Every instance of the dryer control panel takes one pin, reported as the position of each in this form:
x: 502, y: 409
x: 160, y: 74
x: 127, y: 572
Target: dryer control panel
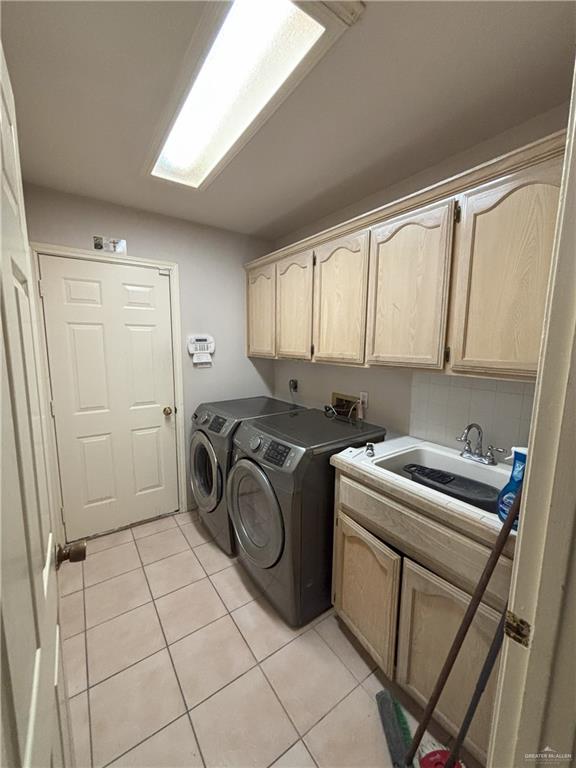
x: 277, y: 453
x: 265, y: 450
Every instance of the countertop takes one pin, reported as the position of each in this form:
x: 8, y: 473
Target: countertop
x: 465, y: 518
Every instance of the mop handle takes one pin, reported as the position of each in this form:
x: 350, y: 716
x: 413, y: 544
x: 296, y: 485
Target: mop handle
x: 483, y: 678
x: 465, y: 626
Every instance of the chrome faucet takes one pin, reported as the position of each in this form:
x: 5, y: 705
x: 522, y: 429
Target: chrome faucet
x: 465, y: 438
x: 477, y: 454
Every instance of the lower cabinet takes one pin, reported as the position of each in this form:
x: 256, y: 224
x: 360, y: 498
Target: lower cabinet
x: 431, y: 610
x: 366, y: 584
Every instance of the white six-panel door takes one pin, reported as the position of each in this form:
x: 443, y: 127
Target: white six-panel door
x: 108, y: 330
x: 34, y: 725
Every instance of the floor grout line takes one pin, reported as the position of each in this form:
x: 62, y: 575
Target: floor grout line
x: 283, y: 753
x: 174, y: 669
x: 263, y: 671
x: 199, y: 629
x: 145, y: 740
x: 87, y: 675
x: 128, y: 666
x: 222, y: 687
x: 154, y: 599
x: 144, y: 565
x: 109, y: 578
x: 123, y: 613
x: 257, y: 663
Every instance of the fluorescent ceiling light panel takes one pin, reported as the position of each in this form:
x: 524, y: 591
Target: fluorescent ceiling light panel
x: 260, y: 44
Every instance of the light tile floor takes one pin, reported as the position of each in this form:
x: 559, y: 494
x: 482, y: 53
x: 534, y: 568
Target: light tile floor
x: 173, y: 660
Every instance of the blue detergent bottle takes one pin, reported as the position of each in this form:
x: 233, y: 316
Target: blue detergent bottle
x: 508, y: 493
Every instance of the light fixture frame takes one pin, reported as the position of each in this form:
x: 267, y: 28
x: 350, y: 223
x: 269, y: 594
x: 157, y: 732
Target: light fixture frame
x: 207, y: 29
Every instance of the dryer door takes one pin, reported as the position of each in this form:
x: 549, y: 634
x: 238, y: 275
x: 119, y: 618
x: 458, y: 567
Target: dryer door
x: 255, y: 513
x: 205, y: 474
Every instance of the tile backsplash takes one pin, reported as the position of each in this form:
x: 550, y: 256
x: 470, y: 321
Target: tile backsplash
x: 441, y: 406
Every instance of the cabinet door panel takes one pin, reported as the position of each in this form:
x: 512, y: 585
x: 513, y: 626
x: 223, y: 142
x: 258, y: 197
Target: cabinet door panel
x: 503, y: 266
x: 294, y: 277
x: 408, y: 288
x: 366, y: 585
x: 340, y: 283
x: 262, y: 311
x: 431, y: 611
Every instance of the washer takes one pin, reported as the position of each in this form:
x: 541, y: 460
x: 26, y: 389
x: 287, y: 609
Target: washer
x: 213, y: 428
x: 280, y: 494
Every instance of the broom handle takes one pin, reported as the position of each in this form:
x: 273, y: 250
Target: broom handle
x: 464, y: 626
x: 483, y: 678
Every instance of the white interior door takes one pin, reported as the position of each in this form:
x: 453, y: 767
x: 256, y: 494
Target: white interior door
x: 34, y: 725
x: 108, y: 330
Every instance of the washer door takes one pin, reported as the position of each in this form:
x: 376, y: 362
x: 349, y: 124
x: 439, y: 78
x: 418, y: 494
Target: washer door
x: 205, y: 474
x: 255, y: 513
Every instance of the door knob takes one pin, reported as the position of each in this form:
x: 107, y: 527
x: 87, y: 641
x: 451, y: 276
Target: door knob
x: 75, y: 553
x: 167, y: 411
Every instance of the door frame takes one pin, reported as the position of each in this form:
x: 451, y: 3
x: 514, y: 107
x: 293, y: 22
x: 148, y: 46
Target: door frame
x: 534, y: 700
x: 169, y: 267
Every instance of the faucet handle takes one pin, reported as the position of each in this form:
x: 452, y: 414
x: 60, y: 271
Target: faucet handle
x: 369, y: 449
x: 490, y: 451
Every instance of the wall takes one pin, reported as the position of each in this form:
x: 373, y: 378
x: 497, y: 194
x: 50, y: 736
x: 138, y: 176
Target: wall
x: 441, y: 406
x: 432, y: 406
x: 212, y: 294
x: 389, y: 390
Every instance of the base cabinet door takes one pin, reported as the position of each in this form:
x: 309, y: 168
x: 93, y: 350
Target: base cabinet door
x: 340, y: 292
x: 366, y: 587
x: 408, y: 287
x: 294, y: 277
x: 503, y: 263
x: 262, y: 311
x: 431, y: 611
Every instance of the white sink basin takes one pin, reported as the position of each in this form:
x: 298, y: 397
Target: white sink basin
x: 446, y: 460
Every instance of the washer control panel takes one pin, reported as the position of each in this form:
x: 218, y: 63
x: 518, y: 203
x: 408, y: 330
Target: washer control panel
x: 277, y: 453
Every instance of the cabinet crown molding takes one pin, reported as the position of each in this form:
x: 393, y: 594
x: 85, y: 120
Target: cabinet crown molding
x: 523, y: 157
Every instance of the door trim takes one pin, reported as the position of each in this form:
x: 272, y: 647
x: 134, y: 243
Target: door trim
x: 175, y: 324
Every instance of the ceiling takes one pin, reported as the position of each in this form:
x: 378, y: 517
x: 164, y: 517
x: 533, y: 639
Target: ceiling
x: 409, y: 85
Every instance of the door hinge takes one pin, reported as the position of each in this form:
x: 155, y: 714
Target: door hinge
x: 517, y: 629
x: 52, y: 408
x: 164, y: 271
x: 447, y: 355
x: 457, y: 212
x: 314, y: 260
x: 40, y: 291
x: 312, y: 349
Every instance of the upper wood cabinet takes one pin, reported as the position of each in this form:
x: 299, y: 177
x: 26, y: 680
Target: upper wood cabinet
x: 399, y: 285
x: 340, y: 288
x: 431, y: 611
x: 294, y: 291
x: 262, y: 311
x: 503, y: 262
x: 366, y: 583
x: 410, y: 259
